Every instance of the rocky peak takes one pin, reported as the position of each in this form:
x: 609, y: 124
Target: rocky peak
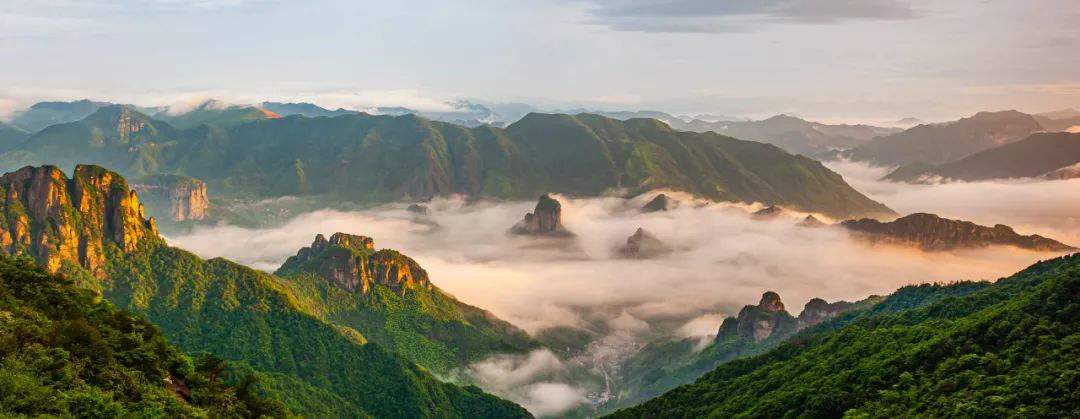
x: 818, y: 310
x: 771, y: 211
x: 183, y: 197
x: 351, y: 263
x: 56, y: 219
x: 759, y: 322
x: 933, y: 233
x: 660, y: 203
x: 811, y: 222
x: 545, y: 220
x: 643, y: 245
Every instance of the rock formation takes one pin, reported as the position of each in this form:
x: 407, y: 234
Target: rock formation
x: 818, y: 310
x: 57, y: 220
x: 932, y: 233
x: 351, y: 263
x: 812, y: 222
x: 643, y: 245
x: 545, y: 220
x: 770, y: 319
x: 418, y: 209
x: 182, y: 196
x: 758, y: 322
x: 660, y: 203
x: 771, y: 211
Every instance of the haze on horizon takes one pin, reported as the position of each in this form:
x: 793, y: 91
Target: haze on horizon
x: 872, y: 60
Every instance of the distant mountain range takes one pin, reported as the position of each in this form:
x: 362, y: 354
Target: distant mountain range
x: 1037, y: 155
x: 793, y: 134
x: 945, y: 142
x: 365, y: 158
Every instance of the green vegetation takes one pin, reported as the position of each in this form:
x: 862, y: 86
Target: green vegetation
x: 215, y: 113
x: 64, y: 352
x: 967, y: 350
x: 412, y: 317
x: 363, y: 158
x: 1033, y: 156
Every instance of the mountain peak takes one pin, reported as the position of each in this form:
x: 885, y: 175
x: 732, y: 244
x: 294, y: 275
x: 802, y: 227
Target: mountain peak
x: 770, y: 301
x: 351, y: 263
x: 545, y: 220
x: 931, y: 232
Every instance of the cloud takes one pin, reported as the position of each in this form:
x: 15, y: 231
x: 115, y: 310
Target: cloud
x: 537, y: 381
x: 712, y: 16
x: 725, y: 260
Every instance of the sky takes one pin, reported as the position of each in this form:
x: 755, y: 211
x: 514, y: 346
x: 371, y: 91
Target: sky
x: 827, y: 59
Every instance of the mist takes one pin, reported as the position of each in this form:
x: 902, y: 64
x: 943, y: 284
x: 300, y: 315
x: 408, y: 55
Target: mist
x: 724, y: 259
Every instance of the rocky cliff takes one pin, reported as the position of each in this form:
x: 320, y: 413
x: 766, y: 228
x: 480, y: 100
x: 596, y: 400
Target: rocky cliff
x: 352, y: 263
x: 183, y: 197
x: 660, y: 203
x: 770, y: 319
x: 60, y: 220
x: 933, y: 233
x: 545, y: 220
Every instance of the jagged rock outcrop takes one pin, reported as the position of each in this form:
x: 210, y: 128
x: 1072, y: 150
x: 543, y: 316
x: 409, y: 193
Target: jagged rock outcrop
x: 352, y: 263
x: 643, y: 245
x: 818, y: 310
x: 769, y: 212
x: 769, y: 319
x: 661, y: 202
x: 418, y: 209
x: 811, y: 222
x: 58, y: 220
x: 183, y: 197
x: 545, y: 220
x: 933, y: 233
x: 758, y: 322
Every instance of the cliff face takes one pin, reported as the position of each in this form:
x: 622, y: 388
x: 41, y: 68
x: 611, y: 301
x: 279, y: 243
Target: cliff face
x: 182, y: 196
x: 933, y: 233
x: 770, y: 319
x: 57, y: 220
x: 545, y: 220
x: 352, y: 263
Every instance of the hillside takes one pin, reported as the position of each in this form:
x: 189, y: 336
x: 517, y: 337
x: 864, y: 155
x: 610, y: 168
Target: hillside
x: 388, y: 297
x: 43, y: 114
x: 1033, y: 156
x: 945, y: 142
x: 216, y: 113
x: 365, y: 158
x: 959, y: 350
x: 91, y: 228
x: 66, y: 353
x: 11, y: 137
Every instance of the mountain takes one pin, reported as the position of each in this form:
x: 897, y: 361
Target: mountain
x: 643, y: 245
x: 1033, y: 156
x: 11, y: 137
x: 932, y: 233
x: 1065, y: 120
x: 793, y: 134
x: 217, y: 113
x: 1068, y: 172
x: 387, y: 296
x: 305, y: 109
x: 91, y: 228
x: 367, y: 158
x: 544, y: 220
x: 964, y: 349
x: 66, y: 353
x: 43, y: 114
x: 945, y: 142
x: 662, y: 366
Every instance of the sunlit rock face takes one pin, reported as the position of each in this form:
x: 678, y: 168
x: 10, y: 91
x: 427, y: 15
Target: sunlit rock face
x: 933, y: 233
x: 545, y: 220
x: 57, y: 220
x: 183, y: 197
x: 351, y: 263
x: 770, y: 319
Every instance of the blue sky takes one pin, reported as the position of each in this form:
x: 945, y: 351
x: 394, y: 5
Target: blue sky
x: 828, y: 59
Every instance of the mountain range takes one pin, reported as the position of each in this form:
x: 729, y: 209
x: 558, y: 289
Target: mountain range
x: 1034, y: 156
x: 91, y: 228
x: 796, y: 135
x: 366, y: 158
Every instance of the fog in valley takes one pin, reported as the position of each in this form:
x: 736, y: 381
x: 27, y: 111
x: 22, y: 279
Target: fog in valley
x: 723, y: 259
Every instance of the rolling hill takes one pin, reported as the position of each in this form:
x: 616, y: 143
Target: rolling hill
x: 1033, y: 156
